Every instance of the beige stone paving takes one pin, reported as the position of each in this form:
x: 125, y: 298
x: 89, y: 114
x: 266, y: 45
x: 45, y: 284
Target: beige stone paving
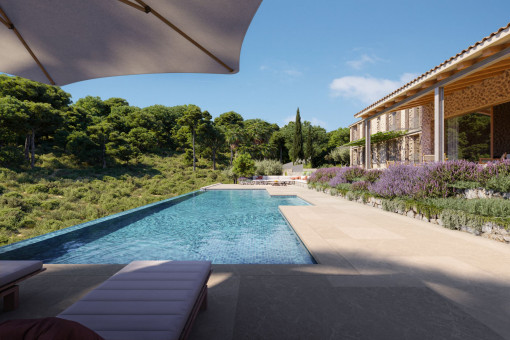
x: 472, y: 271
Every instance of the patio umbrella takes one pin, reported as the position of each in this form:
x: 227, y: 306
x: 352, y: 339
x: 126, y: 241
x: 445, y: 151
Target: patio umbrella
x: 65, y: 41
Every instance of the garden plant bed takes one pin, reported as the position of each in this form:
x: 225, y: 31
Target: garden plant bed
x: 458, y: 195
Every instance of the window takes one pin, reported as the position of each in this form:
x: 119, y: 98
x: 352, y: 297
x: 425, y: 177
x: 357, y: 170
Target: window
x: 468, y: 137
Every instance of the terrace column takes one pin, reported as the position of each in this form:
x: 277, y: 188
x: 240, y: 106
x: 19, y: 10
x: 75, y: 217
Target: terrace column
x: 439, y: 124
x: 368, y: 149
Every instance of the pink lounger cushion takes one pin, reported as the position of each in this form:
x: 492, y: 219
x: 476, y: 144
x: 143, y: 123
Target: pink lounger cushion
x: 145, y: 300
x: 11, y: 271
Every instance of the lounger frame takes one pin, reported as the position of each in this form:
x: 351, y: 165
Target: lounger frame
x: 200, y: 304
x: 10, y: 291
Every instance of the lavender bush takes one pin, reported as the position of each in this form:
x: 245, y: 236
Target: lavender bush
x: 346, y: 175
x: 373, y: 175
x: 323, y: 175
x: 427, y: 181
x: 398, y: 180
x: 360, y: 186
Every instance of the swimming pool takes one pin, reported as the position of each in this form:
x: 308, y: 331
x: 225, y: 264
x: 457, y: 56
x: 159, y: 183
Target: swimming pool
x: 222, y: 226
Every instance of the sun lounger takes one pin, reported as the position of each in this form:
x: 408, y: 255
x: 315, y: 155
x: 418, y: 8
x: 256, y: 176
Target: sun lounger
x: 12, y: 273
x: 145, y: 300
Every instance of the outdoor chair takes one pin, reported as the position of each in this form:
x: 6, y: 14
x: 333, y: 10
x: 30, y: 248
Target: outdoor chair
x: 145, y: 300
x: 428, y: 158
x: 12, y: 273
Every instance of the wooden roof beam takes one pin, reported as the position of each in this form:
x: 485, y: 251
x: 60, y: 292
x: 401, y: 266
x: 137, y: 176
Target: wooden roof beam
x: 492, y: 50
x: 466, y: 64
x: 444, y: 75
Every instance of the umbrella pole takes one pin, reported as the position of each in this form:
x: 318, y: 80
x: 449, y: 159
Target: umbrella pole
x: 4, y: 19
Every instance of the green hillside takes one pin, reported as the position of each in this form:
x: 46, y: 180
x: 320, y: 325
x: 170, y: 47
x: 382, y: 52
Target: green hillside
x: 49, y: 198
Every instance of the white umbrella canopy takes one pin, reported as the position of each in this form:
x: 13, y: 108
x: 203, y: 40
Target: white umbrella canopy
x: 64, y: 41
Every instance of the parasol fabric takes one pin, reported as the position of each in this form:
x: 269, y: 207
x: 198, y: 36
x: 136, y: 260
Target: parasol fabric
x: 65, y: 41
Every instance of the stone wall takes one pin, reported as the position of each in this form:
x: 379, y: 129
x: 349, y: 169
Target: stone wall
x: 427, y: 129
x: 501, y: 129
x: 492, y: 91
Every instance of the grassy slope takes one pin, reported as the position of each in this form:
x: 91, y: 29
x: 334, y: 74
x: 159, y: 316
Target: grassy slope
x: 50, y: 198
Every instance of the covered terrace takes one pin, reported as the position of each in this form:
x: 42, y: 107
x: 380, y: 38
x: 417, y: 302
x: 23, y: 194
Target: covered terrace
x: 475, y: 83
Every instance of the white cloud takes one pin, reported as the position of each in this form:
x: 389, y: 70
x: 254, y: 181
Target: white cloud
x: 292, y: 72
x: 366, y: 89
x: 407, y: 77
x: 362, y: 61
x: 289, y: 119
x: 316, y: 121
x: 283, y: 70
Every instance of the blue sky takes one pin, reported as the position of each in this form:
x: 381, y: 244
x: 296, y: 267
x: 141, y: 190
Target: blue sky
x: 329, y: 58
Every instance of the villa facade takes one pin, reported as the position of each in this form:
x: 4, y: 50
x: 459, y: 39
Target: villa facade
x: 458, y: 110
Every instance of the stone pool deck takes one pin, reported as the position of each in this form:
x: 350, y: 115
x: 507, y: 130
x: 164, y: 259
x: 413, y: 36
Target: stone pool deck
x: 380, y: 276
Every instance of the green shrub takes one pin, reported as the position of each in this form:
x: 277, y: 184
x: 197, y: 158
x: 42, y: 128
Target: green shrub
x: 343, y: 188
x: 465, y: 185
x: 455, y: 219
x: 499, y: 183
x: 25, y: 178
x: 485, y: 207
x: 27, y: 222
x: 50, y: 205
x: 268, y: 167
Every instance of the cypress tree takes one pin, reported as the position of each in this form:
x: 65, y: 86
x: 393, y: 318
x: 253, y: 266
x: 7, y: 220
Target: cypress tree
x: 298, y: 140
x: 309, y: 145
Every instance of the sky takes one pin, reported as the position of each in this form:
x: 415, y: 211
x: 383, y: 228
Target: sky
x: 330, y: 58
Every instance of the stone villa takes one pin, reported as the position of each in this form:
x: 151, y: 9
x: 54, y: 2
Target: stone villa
x: 458, y: 110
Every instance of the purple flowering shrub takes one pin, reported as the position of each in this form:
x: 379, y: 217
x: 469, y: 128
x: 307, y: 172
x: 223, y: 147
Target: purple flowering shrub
x: 435, y: 179
x: 495, y: 169
x: 360, y: 186
x: 373, y: 175
x: 429, y: 180
x: 398, y: 180
x: 346, y: 175
x: 323, y: 175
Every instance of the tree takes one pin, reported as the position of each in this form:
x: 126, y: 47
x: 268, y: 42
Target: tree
x: 192, y: 118
x: 99, y: 134
x: 212, y: 137
x: 166, y: 123
x: 340, y: 155
x: 232, y: 124
x: 83, y: 147
x: 309, y: 152
x: 277, y: 141
x: 338, y: 137
x: 94, y: 106
x: 115, y: 102
x: 13, y: 124
x: 257, y: 133
x: 243, y: 165
x: 298, y: 140
x: 43, y: 119
x: 32, y: 91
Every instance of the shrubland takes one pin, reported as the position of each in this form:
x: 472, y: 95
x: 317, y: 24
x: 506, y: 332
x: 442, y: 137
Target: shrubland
x: 45, y: 199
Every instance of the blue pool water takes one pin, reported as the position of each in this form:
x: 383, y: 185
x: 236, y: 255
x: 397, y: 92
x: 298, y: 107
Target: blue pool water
x: 227, y: 226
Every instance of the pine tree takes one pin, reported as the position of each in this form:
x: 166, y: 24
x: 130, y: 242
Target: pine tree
x: 298, y: 140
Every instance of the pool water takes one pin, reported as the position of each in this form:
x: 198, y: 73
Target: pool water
x: 222, y: 226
